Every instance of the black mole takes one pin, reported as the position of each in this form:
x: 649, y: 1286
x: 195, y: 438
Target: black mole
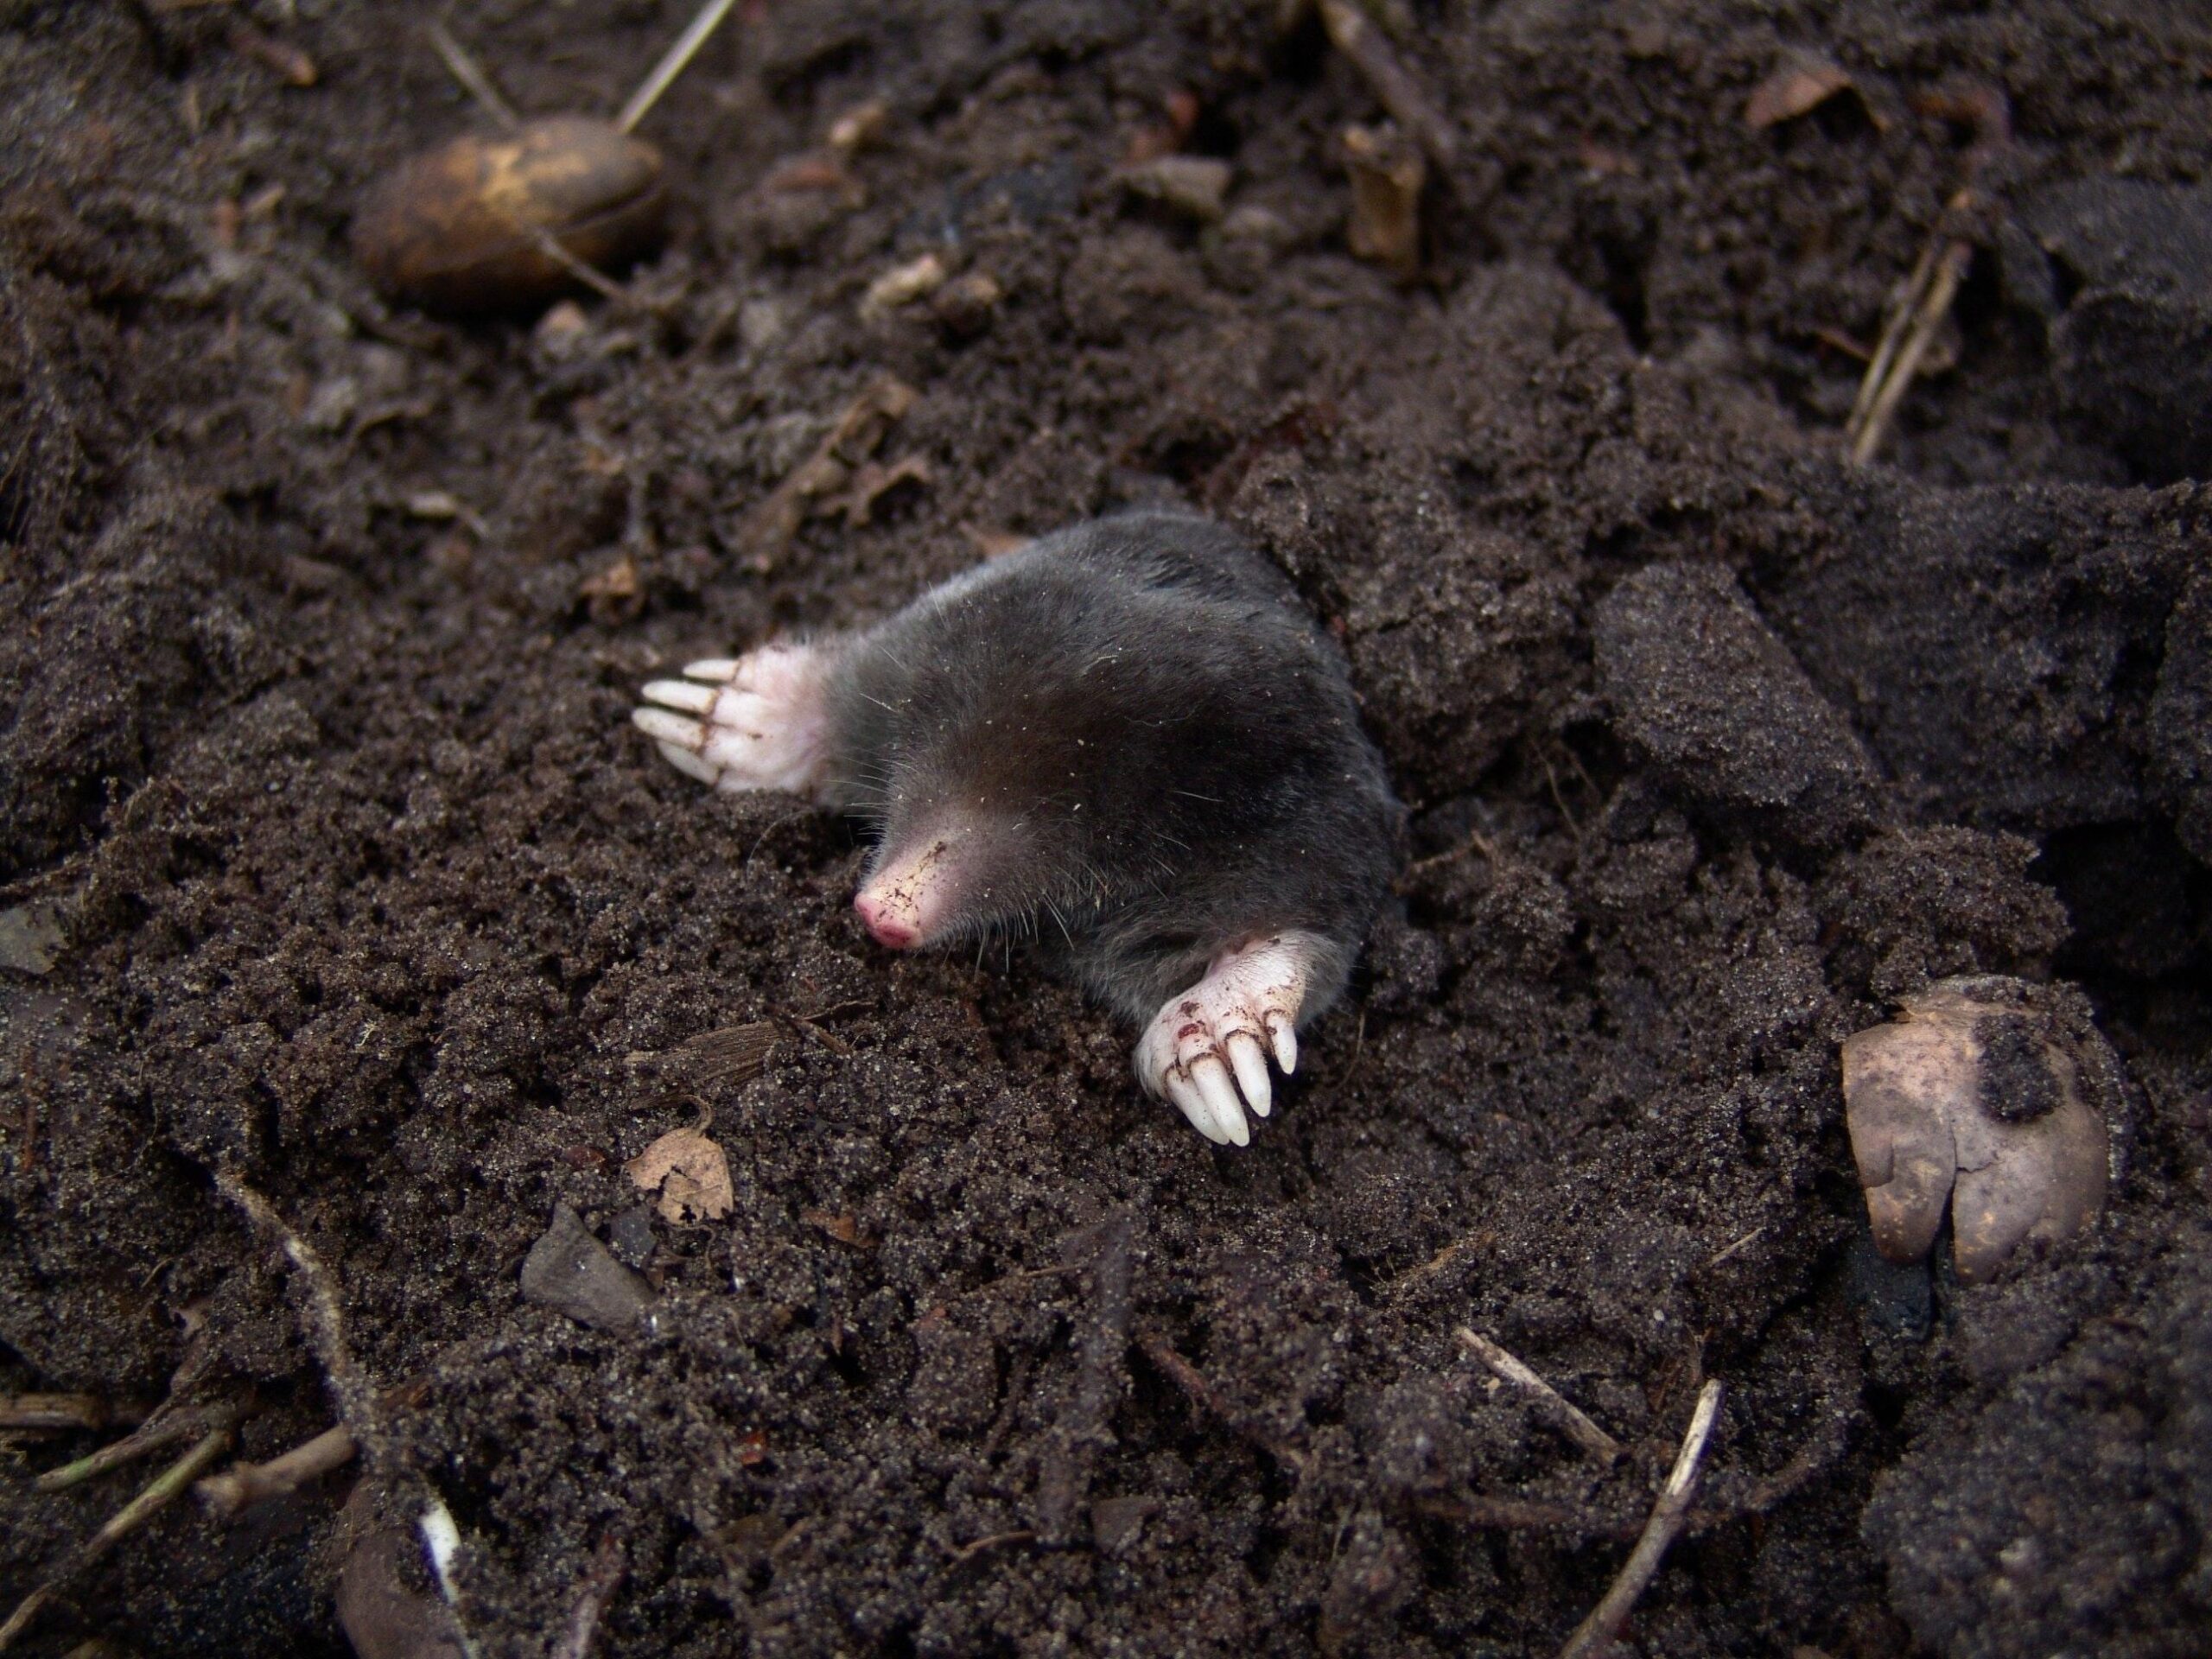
x: 1128, y: 740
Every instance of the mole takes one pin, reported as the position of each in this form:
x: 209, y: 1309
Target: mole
x: 1127, y: 742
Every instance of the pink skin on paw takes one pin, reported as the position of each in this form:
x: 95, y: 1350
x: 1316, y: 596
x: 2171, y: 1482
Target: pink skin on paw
x: 912, y: 895
x: 1207, y: 1049
x: 756, y: 722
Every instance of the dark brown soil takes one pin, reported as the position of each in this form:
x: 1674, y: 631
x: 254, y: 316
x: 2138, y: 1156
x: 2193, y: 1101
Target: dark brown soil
x: 315, y: 746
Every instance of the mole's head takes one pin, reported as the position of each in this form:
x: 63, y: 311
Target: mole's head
x: 987, y: 821
x: 964, y: 861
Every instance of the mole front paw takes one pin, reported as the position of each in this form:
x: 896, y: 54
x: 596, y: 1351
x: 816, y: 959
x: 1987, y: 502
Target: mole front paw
x: 1207, y: 1049
x: 756, y: 722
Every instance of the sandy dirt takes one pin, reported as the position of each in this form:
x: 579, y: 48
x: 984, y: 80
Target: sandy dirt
x: 322, y: 619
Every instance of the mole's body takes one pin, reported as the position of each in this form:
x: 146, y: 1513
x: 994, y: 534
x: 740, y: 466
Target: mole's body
x: 1126, y: 739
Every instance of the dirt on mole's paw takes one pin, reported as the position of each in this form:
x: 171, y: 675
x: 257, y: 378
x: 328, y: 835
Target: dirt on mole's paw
x: 322, y: 619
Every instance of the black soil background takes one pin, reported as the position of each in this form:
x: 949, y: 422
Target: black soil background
x: 316, y: 697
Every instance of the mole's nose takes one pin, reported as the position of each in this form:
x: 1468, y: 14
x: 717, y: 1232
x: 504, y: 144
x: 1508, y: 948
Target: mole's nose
x: 891, y: 922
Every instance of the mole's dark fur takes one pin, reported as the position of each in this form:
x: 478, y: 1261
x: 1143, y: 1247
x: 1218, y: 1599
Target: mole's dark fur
x: 1162, y: 749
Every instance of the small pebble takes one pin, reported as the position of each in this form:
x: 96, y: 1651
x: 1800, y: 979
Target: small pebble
x: 572, y: 1273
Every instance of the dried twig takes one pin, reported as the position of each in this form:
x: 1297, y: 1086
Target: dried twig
x: 1668, y: 1515
x: 1912, y: 325
x: 1450, y: 1256
x: 244, y: 1484
x: 1365, y: 49
x: 581, y: 271
x: 322, y: 1322
x: 1926, y: 298
x: 662, y: 74
x: 166, y: 1488
x: 976, y: 1546
x: 1571, y: 1417
x: 1741, y: 1245
x: 1188, y: 1377
x: 597, y: 1589
x: 1488, y: 1513
x: 466, y: 70
x: 62, y: 1412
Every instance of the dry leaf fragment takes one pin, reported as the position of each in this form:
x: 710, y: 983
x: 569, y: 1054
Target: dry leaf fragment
x: 690, y: 1173
x: 842, y: 1225
x: 1801, y: 83
x: 615, y: 593
x: 817, y: 485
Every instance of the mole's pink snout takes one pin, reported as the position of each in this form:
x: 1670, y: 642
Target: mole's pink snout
x: 887, y: 919
x: 908, y: 898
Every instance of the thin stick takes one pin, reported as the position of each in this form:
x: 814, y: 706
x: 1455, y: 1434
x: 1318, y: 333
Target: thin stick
x: 167, y: 1487
x: 589, y: 275
x: 1188, y: 1377
x: 52, y: 1411
x: 1668, y: 1516
x: 672, y: 62
x: 1483, y: 1511
x: 157, y: 1434
x: 473, y: 81
x: 324, y: 1324
x: 242, y: 1485
x: 1876, y: 372
x: 1479, y: 1239
x: 1738, y: 1246
x: 597, y: 1590
x: 1580, y: 1429
x: 976, y: 1547
x: 1363, y: 47
x: 1949, y: 269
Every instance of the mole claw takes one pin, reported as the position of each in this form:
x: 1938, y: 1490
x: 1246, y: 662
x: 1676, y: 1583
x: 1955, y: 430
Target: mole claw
x: 681, y: 694
x: 1186, y: 1095
x: 688, y: 764
x: 1250, y: 1061
x: 1219, y: 1094
x: 719, y: 669
x: 1208, y: 1049
x: 663, y: 727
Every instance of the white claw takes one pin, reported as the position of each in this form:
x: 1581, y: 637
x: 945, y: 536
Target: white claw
x: 663, y: 727
x: 1250, y: 1061
x: 1214, y: 1086
x: 688, y: 764
x: 756, y: 722
x: 681, y: 694
x: 1186, y: 1095
x: 1207, y: 1049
